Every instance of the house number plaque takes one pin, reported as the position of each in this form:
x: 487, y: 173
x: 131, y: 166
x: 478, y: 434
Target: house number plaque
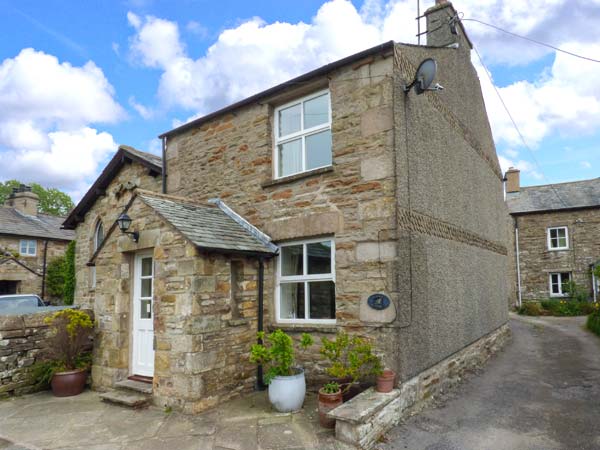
x: 378, y: 301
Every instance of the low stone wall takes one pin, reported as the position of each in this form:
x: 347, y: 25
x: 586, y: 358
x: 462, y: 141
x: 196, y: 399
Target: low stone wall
x: 23, y: 340
x: 364, y: 419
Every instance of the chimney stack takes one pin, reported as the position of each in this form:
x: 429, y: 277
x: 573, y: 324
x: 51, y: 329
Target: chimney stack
x: 513, y: 183
x: 23, y: 200
x: 444, y: 28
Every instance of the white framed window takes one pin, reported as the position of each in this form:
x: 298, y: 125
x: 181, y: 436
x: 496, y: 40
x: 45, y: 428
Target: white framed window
x: 305, y: 290
x: 303, y: 135
x: 558, y: 283
x: 98, y: 235
x: 558, y: 238
x: 28, y: 247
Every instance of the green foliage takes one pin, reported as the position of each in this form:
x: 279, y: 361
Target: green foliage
x: 556, y: 307
x: 350, y: 357
x: 575, y: 292
x: 52, y: 201
x: 331, y: 388
x: 278, y: 355
x: 593, y: 321
x: 596, y: 271
x: 41, y: 373
x: 60, y: 276
x: 70, y: 332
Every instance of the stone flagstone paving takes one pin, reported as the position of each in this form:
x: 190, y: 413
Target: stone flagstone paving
x: 41, y: 421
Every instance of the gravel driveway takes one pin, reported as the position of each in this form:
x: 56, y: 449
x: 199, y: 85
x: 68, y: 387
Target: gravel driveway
x: 541, y: 393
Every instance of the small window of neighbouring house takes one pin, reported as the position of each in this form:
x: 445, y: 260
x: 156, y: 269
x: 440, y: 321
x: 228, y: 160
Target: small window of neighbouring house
x: 558, y: 238
x: 558, y: 283
x: 28, y: 247
x: 98, y: 235
x: 306, y: 281
x: 303, y: 135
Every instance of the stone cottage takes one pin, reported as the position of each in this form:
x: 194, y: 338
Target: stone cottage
x: 557, y: 229
x: 29, y: 240
x: 337, y: 200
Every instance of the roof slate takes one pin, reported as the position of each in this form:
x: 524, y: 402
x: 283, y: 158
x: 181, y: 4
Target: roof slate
x: 549, y: 197
x: 16, y: 223
x: 207, y: 227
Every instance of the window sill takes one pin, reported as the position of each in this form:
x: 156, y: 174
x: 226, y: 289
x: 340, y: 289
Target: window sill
x: 558, y: 249
x: 305, y: 327
x: 297, y: 176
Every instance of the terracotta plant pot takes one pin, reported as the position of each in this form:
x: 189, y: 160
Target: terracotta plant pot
x: 327, y: 402
x: 67, y: 384
x: 385, y: 381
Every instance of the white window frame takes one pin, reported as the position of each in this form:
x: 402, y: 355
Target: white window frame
x: 280, y: 279
x: 28, y: 247
x: 96, y: 228
x: 298, y: 134
x: 549, y: 241
x: 560, y: 283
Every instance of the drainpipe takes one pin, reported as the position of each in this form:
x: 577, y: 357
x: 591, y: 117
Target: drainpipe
x: 44, y: 271
x: 519, y: 300
x: 260, y: 384
x: 164, y: 164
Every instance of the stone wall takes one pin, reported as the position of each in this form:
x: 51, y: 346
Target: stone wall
x: 536, y: 261
x: 29, y: 282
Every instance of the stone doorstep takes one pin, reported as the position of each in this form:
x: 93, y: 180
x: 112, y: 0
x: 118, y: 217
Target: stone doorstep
x: 126, y: 398
x: 136, y: 386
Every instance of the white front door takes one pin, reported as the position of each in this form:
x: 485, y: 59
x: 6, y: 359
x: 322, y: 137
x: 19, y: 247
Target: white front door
x: 143, y: 328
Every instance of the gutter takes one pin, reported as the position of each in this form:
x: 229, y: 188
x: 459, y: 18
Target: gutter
x: 44, y: 270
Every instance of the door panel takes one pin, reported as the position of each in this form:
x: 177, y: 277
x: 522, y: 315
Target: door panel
x: 143, y: 326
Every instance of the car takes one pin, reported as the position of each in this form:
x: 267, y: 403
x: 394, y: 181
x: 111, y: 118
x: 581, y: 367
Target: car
x: 18, y: 302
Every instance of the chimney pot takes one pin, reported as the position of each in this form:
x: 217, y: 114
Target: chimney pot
x: 23, y: 200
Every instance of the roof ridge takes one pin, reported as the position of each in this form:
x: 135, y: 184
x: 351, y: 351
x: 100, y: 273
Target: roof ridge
x: 559, y: 184
x: 173, y: 198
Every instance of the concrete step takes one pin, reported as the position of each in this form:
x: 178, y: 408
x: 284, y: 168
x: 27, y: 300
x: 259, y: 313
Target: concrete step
x: 136, y: 386
x: 126, y: 398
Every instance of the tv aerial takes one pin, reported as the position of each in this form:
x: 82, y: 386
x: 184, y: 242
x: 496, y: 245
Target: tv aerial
x: 424, y: 77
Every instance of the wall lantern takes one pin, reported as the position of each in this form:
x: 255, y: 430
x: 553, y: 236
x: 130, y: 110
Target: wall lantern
x: 124, y: 222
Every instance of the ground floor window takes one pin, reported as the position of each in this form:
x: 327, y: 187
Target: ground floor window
x: 27, y: 247
x: 558, y: 283
x: 306, y: 281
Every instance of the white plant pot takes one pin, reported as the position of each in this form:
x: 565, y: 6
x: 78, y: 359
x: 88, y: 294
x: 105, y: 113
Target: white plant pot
x: 286, y: 394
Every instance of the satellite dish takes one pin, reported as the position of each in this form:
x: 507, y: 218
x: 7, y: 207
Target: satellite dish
x: 424, y: 77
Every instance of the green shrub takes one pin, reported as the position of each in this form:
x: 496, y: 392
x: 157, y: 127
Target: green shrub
x: 530, y: 309
x: 60, y: 276
x: 567, y: 307
x: 576, y: 292
x: 593, y: 321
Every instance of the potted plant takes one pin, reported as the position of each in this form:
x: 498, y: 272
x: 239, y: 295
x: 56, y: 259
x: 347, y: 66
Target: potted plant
x: 351, y: 359
x: 67, y: 368
x: 330, y: 397
x: 385, y: 381
x: 287, y: 384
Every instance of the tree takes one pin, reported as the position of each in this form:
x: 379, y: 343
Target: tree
x: 60, y: 276
x: 52, y: 200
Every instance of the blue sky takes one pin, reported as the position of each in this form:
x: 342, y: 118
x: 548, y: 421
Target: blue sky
x: 79, y: 78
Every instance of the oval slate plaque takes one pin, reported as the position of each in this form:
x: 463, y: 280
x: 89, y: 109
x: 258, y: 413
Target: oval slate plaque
x: 378, y: 301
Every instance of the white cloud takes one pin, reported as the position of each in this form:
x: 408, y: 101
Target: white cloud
x: 47, y: 109
x: 524, y: 166
x: 144, y: 111
x: 586, y: 164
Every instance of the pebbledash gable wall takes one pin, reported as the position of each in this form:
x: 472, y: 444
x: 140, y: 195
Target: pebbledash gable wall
x: 29, y: 282
x: 413, y: 200
x: 537, y: 262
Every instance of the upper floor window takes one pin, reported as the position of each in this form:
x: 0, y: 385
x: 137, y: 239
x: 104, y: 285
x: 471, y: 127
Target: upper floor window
x: 28, y: 247
x: 558, y: 284
x: 303, y: 135
x: 306, y: 281
x: 558, y: 238
x: 98, y: 235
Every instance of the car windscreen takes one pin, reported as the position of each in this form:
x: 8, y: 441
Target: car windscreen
x: 15, y: 303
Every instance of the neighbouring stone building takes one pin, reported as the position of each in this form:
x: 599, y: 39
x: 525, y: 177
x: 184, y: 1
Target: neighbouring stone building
x: 29, y: 240
x: 557, y: 236
x: 290, y: 209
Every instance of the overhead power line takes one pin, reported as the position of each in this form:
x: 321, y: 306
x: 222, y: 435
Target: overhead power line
x: 514, y: 123
x: 533, y: 40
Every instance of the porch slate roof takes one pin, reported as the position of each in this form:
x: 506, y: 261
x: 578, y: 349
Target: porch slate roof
x: 550, y: 197
x: 208, y: 227
x: 13, y: 222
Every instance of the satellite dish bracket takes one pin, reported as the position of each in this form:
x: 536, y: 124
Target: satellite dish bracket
x: 424, y: 77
